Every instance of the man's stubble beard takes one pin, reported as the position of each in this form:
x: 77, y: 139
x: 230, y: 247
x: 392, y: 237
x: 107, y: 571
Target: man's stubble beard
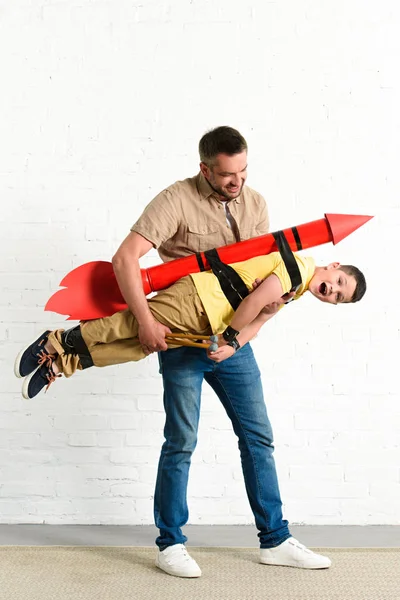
x: 226, y: 195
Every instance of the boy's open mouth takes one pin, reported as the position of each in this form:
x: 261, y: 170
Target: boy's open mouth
x: 323, y: 289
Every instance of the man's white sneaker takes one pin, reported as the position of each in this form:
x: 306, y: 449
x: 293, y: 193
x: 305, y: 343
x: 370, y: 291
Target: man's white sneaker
x: 175, y: 560
x: 293, y: 554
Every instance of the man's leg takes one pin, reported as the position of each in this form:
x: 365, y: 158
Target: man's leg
x: 183, y: 371
x: 237, y: 383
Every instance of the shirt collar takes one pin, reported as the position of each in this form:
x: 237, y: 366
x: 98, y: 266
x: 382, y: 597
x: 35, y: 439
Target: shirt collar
x: 206, y: 191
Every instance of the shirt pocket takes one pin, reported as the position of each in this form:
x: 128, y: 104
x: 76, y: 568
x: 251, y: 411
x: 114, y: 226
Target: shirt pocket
x: 204, y: 236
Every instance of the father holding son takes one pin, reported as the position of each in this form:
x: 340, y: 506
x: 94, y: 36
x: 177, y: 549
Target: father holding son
x: 212, y: 209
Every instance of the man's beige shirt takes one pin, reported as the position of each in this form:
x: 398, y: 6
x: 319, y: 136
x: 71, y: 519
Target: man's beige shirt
x: 188, y: 217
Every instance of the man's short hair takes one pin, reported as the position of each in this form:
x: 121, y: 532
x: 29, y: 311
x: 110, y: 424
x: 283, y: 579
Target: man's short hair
x: 221, y: 140
x: 361, y: 284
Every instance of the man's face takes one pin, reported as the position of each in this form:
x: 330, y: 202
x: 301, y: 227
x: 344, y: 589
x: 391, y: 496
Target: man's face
x: 331, y: 284
x: 228, y: 174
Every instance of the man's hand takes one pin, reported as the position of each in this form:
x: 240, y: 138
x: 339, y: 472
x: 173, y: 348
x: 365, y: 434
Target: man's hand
x: 257, y: 282
x: 272, y: 309
x: 152, y: 337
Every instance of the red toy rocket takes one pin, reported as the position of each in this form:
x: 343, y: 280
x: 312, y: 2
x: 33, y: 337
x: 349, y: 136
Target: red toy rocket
x: 91, y: 290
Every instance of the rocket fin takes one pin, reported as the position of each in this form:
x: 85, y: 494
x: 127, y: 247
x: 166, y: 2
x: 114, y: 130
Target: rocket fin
x: 90, y: 292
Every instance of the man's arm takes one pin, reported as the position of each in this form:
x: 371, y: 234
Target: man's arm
x: 127, y: 272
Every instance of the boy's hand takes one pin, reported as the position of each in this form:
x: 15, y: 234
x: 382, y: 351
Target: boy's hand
x: 222, y: 353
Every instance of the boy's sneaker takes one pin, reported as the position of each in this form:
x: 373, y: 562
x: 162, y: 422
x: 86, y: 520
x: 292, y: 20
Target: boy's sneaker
x: 33, y: 356
x: 175, y: 560
x: 291, y: 553
x: 42, y: 377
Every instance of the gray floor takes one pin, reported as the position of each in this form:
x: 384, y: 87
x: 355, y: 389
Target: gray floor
x: 198, y: 535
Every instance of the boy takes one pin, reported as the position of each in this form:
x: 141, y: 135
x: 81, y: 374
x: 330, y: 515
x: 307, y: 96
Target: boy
x: 195, y: 304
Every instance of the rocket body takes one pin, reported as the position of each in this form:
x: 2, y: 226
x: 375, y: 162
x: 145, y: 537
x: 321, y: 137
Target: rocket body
x: 162, y: 276
x: 91, y: 290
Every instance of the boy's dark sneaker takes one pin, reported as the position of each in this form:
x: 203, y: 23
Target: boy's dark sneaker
x: 33, y: 356
x: 42, y: 377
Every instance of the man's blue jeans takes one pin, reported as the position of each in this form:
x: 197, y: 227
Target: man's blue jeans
x: 237, y: 383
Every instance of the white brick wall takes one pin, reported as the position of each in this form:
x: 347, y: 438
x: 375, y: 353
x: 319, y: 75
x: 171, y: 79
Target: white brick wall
x: 102, y: 105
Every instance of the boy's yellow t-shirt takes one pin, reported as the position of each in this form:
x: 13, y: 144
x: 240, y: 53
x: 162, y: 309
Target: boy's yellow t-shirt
x: 217, y: 307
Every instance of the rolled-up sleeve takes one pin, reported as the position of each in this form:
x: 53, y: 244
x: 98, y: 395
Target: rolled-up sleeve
x: 159, y: 220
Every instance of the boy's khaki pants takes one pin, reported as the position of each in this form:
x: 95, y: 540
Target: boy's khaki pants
x: 113, y: 340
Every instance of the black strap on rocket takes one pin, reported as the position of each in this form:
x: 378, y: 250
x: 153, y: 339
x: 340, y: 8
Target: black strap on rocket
x: 230, y: 281
x: 288, y: 258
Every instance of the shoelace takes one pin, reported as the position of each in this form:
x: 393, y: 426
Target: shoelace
x: 51, y: 377
x: 300, y: 546
x: 45, y: 358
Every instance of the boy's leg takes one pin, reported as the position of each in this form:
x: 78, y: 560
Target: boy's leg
x: 113, y: 340
x: 99, y: 342
x: 64, y: 352
x: 45, y: 351
x: 67, y: 358
x: 40, y: 363
x: 33, y: 355
x: 119, y: 326
x: 179, y: 308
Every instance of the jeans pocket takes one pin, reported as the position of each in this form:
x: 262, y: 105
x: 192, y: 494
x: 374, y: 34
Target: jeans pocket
x: 160, y: 368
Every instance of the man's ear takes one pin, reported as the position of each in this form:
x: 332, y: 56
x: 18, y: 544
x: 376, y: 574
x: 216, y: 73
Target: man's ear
x: 205, y: 170
x: 333, y: 265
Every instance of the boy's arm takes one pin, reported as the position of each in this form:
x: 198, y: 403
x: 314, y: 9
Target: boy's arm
x: 248, y: 333
x: 269, y: 292
x: 249, y: 330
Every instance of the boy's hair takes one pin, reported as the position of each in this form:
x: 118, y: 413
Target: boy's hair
x: 361, y: 284
x: 221, y: 140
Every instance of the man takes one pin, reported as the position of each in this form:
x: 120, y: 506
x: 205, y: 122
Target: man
x: 212, y: 209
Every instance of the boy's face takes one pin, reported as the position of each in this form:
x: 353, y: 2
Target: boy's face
x: 331, y: 284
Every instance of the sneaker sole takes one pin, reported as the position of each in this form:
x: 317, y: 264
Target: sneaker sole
x: 278, y: 564
x: 17, y: 364
x: 171, y: 572
x: 25, y: 385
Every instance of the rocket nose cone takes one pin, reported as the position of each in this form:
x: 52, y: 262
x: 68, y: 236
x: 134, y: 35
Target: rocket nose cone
x: 343, y: 225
